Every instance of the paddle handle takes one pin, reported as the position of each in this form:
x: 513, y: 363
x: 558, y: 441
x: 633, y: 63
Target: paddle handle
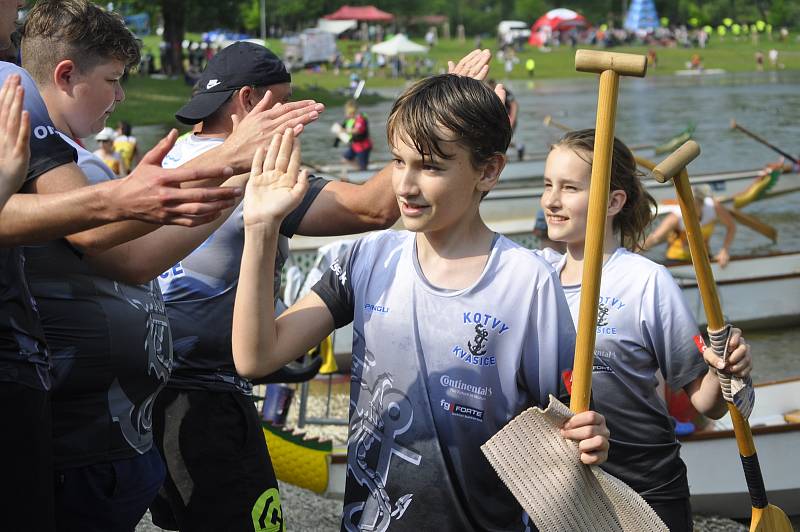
x: 600, y: 62
x: 593, y: 245
x: 763, y: 141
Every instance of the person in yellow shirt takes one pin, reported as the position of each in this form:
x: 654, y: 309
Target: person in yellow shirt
x: 105, y: 151
x: 673, y: 231
x: 125, y: 144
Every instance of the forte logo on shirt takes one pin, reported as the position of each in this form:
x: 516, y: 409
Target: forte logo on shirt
x: 462, y: 410
x: 483, y: 325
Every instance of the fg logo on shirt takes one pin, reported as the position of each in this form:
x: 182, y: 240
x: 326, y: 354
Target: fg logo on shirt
x: 462, y: 410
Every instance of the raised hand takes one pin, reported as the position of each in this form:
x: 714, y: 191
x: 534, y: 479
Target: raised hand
x: 476, y: 65
x: 155, y: 195
x: 15, y: 128
x: 473, y: 65
x: 276, y: 185
x: 264, y: 121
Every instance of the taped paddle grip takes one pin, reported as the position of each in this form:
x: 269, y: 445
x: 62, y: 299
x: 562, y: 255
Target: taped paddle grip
x: 623, y: 64
x: 677, y: 161
x: 755, y: 482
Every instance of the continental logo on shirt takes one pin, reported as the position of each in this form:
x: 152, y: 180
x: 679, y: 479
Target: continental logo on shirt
x: 459, y: 387
x: 483, y: 326
x: 464, y: 411
x: 341, y: 274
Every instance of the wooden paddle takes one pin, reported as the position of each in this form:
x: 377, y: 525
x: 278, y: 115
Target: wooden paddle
x: 745, y: 219
x: 548, y: 121
x: 610, y: 66
x: 755, y: 224
x: 764, y: 516
x: 762, y: 140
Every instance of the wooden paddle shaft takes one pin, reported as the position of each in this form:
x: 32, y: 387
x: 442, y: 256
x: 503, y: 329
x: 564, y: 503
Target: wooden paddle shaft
x: 699, y: 252
x: 593, y: 245
x: 763, y: 141
x: 708, y: 291
x: 548, y: 121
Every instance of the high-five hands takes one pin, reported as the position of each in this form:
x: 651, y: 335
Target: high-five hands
x: 15, y: 128
x: 476, y: 65
x: 276, y: 185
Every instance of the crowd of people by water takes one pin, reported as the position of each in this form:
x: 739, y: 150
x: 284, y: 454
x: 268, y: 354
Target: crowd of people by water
x: 139, y: 299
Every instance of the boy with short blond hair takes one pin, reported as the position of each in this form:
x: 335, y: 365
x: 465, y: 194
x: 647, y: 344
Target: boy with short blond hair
x: 456, y: 329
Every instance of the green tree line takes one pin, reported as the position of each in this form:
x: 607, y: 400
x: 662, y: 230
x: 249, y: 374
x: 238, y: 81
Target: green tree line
x: 477, y: 16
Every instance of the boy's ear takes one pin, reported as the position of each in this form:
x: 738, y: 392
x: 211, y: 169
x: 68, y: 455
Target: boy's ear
x: 616, y: 201
x: 64, y: 74
x: 491, y: 172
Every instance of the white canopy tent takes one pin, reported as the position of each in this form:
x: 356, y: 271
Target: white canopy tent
x: 399, y: 44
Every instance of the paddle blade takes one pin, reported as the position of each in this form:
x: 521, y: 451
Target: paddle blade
x: 770, y: 519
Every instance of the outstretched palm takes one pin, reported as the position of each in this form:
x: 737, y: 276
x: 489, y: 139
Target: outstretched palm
x: 475, y: 65
x: 276, y: 184
x: 14, y: 133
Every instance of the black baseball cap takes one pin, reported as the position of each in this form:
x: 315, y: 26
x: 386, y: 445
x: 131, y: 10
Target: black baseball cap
x: 239, y: 65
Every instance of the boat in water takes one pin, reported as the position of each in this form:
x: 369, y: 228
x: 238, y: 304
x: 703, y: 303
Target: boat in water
x: 716, y: 478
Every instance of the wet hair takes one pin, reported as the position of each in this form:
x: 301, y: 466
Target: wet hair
x: 124, y: 128
x: 637, y: 213
x: 78, y: 30
x: 464, y: 107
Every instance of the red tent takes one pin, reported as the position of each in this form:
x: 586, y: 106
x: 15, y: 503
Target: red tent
x: 555, y: 20
x: 361, y: 13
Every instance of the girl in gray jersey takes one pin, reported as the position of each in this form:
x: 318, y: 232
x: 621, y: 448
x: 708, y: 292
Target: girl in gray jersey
x: 456, y: 329
x: 645, y: 330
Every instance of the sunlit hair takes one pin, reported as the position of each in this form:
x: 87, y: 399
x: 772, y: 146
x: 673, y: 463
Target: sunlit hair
x: 450, y: 108
x: 638, y: 212
x: 78, y: 30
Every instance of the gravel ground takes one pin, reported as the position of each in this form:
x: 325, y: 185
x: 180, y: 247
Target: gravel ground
x: 308, y: 512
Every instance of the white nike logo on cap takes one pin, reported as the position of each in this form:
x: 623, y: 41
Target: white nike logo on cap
x: 212, y: 83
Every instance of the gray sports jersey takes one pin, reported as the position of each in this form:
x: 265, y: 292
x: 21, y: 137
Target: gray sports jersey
x: 435, y: 374
x: 23, y: 353
x: 643, y: 326
x: 199, y: 290
x: 110, y: 345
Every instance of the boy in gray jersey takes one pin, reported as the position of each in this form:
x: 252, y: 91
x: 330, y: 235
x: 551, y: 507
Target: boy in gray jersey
x: 110, y: 338
x: 456, y: 329
x: 222, y: 486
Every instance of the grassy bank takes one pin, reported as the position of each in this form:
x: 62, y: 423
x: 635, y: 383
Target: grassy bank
x: 151, y: 101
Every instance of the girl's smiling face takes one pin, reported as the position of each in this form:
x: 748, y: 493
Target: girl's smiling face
x: 565, y: 199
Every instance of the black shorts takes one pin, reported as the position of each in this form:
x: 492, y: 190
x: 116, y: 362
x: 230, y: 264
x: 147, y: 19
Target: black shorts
x: 219, y: 473
x: 676, y: 514
x: 107, y: 496
x: 26, y: 459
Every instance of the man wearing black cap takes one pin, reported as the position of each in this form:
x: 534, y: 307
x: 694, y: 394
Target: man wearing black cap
x: 219, y: 474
